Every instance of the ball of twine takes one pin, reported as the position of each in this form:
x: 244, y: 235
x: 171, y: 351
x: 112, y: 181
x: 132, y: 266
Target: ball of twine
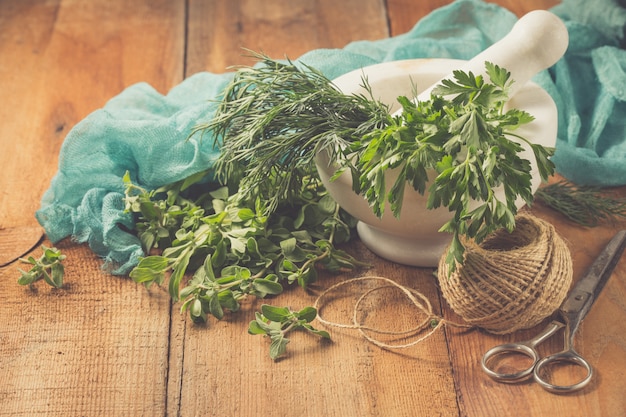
x: 510, y: 281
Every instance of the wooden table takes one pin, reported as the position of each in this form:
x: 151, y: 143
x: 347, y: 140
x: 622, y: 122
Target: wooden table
x: 104, y: 346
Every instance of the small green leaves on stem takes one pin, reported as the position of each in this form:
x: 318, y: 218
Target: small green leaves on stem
x: 230, y: 248
x: 207, y: 293
x: 276, y: 322
x: 48, y: 267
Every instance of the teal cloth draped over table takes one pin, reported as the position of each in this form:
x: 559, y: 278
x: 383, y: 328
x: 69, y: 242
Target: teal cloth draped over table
x: 144, y: 132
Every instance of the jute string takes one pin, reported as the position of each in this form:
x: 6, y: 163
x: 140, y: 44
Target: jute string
x: 417, y: 299
x: 511, y: 281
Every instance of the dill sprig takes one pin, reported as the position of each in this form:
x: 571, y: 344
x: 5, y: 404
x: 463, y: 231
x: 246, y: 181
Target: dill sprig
x: 275, y: 117
x: 585, y: 205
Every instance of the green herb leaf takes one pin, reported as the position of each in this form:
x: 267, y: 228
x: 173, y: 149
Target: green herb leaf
x: 215, y: 308
x: 255, y: 328
x: 265, y: 286
x: 47, y: 267
x: 278, y: 344
x: 276, y: 322
x: 321, y: 333
x: 278, y: 314
x: 307, y: 314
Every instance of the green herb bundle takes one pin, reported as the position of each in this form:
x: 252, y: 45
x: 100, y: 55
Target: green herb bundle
x: 273, y: 120
x: 268, y: 222
x: 230, y: 248
x: 584, y: 205
x: 276, y: 117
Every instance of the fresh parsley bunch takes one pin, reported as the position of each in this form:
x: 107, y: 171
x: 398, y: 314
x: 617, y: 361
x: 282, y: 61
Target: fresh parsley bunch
x: 459, y: 150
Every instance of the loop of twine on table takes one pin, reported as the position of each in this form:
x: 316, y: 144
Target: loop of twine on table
x: 418, y: 300
x: 511, y: 281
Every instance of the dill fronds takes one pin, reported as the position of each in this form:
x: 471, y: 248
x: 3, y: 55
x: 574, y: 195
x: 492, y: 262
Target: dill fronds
x: 585, y: 205
x: 275, y: 117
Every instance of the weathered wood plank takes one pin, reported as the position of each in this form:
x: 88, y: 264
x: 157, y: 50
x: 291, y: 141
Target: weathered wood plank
x: 521, y: 8
x: 99, y: 346
x: 218, y: 31
x: 62, y: 60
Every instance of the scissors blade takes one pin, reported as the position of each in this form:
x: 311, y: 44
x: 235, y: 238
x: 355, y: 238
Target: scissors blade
x: 588, y: 288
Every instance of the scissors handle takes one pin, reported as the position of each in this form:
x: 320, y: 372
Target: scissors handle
x: 509, y: 350
x: 542, y: 371
x: 526, y: 348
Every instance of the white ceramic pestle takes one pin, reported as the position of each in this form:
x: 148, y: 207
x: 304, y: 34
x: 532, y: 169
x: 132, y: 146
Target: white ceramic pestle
x: 536, y: 42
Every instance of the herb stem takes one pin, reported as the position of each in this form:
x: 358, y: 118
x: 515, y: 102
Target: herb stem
x: 312, y: 261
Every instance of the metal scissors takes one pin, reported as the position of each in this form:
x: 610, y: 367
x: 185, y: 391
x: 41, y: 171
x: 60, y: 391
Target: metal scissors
x: 570, y: 315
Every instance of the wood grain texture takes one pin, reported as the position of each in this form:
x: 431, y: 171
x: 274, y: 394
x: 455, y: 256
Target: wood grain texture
x: 15, y: 242
x: 60, y: 60
x: 218, y: 31
x: 100, y: 345
x: 103, y: 346
x: 97, y: 347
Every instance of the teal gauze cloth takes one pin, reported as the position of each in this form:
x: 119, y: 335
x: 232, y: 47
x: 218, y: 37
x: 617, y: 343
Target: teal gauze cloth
x: 146, y: 133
